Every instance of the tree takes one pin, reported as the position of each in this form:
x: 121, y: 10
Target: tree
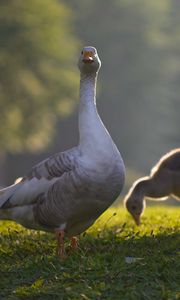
x: 37, y: 77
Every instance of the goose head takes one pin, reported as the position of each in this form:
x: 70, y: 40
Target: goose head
x: 89, y: 62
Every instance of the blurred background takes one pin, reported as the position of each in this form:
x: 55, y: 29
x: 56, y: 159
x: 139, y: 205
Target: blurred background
x: 138, y: 86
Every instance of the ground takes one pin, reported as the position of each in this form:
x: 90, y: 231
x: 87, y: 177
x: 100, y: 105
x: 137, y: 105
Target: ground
x: 115, y: 260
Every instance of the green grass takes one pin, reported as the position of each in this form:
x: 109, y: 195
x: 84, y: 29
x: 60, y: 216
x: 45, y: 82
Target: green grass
x: 30, y: 268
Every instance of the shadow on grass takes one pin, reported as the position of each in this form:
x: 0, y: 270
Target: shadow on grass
x: 30, y: 268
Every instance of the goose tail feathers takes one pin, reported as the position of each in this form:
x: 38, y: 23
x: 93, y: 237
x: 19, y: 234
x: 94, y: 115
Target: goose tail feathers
x: 6, y: 194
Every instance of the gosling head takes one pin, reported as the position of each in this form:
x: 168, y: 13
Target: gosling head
x: 134, y: 201
x: 135, y: 207
x: 89, y: 61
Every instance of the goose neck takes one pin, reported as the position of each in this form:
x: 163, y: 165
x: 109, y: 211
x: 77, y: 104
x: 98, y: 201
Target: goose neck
x: 88, y: 89
x: 91, y: 128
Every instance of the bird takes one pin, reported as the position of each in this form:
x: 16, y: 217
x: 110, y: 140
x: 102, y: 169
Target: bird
x: 68, y: 191
x: 163, y: 181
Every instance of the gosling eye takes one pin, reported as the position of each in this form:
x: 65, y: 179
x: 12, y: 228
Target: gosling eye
x: 134, y: 207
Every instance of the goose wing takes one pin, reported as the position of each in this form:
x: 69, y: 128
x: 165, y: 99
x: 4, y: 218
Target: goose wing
x: 40, y: 178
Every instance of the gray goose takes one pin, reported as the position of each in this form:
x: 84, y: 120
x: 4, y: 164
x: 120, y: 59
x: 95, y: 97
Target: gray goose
x: 164, y: 181
x: 68, y: 191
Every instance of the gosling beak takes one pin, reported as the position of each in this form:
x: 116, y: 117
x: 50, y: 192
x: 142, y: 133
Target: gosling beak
x: 136, y: 218
x: 88, y: 57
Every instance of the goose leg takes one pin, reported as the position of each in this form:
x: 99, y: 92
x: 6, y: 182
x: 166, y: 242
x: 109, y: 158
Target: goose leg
x: 60, y: 241
x: 74, y: 243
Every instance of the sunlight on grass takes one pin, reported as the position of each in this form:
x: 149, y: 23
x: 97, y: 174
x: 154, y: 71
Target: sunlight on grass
x: 155, y: 216
x: 115, y: 259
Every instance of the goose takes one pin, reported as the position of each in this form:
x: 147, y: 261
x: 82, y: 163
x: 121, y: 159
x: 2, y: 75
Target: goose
x: 163, y: 181
x: 68, y: 191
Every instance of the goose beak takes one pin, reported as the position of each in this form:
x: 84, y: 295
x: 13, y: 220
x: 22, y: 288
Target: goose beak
x: 136, y: 218
x: 88, y: 57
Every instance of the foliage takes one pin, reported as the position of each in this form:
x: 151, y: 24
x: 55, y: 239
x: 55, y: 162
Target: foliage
x: 37, y: 71
x: 115, y: 260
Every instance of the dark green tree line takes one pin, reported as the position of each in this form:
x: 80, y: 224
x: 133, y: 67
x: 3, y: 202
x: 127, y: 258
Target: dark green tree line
x: 37, y: 76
